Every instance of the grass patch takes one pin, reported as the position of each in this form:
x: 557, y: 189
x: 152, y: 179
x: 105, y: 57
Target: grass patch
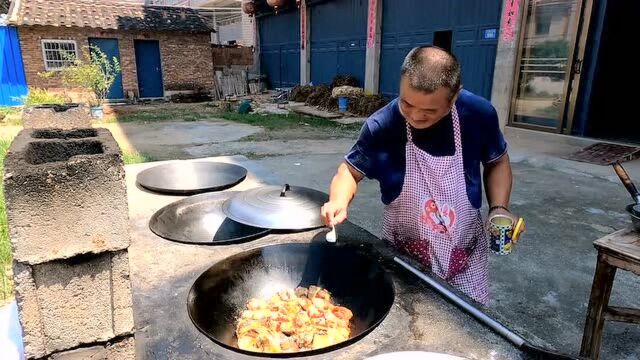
x: 276, y: 121
x: 134, y: 157
x: 6, y: 283
x: 11, y: 115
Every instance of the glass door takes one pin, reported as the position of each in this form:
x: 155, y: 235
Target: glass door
x: 545, y: 64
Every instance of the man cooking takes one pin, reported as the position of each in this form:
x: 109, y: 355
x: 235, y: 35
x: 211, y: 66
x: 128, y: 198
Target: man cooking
x: 425, y: 149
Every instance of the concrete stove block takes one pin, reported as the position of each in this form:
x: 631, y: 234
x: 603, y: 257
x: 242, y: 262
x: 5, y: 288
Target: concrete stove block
x: 57, y: 116
x: 65, y: 194
x: 67, y: 303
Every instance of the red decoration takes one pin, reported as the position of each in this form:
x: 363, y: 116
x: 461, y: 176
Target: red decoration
x: 249, y: 7
x: 298, y: 3
x: 275, y: 4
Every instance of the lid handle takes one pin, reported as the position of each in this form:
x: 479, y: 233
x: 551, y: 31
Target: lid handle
x: 285, y: 188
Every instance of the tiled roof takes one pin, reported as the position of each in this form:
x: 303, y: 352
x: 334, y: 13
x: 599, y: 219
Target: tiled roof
x: 105, y: 14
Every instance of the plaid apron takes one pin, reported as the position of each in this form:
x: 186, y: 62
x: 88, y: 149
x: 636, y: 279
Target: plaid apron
x: 433, y: 221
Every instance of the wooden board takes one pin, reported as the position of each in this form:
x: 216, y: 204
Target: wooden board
x: 624, y: 242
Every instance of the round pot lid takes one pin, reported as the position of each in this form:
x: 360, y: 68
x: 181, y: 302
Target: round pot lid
x: 199, y: 220
x: 189, y: 177
x: 277, y: 207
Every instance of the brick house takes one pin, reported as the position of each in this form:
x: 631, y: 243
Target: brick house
x: 161, y: 49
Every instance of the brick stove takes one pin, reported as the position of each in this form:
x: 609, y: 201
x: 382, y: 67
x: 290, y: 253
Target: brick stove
x: 68, y: 223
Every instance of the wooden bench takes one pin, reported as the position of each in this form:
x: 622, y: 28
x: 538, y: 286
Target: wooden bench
x: 619, y: 250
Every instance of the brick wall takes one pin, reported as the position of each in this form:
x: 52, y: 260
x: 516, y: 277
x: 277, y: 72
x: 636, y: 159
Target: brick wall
x: 186, y: 61
x: 186, y: 58
x: 248, y: 35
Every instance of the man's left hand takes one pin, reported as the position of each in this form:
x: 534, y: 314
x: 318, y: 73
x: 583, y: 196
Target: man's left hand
x: 499, y: 211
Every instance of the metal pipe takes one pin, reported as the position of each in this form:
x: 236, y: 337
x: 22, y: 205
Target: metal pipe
x: 514, y: 338
x: 484, y: 318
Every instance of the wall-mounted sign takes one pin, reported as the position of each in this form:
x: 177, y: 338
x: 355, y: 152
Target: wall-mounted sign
x: 303, y: 24
x: 371, y: 24
x: 510, y: 17
x: 489, y: 34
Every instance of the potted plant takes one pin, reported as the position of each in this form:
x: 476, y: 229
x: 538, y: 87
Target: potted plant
x: 96, y: 73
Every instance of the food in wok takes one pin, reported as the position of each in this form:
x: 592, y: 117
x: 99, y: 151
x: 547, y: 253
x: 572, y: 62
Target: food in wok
x: 291, y: 321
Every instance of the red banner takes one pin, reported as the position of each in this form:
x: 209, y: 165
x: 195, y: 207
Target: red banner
x: 303, y: 24
x: 371, y: 24
x: 511, y: 8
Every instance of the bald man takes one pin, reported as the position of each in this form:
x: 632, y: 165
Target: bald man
x: 425, y: 149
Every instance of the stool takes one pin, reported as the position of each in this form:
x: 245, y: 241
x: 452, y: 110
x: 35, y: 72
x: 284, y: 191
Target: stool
x: 619, y: 250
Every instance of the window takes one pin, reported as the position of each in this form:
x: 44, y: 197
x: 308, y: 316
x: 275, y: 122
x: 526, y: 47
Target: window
x: 58, y: 53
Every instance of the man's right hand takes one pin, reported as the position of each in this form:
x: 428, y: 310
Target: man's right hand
x: 343, y: 189
x: 333, y: 213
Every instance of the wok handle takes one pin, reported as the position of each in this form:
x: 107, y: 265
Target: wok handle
x: 496, y: 326
x: 285, y: 188
x: 626, y: 180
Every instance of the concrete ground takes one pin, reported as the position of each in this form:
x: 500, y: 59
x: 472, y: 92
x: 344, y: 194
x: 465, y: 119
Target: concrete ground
x: 541, y: 288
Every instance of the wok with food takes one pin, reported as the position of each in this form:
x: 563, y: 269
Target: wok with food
x: 304, y: 319
x: 292, y: 299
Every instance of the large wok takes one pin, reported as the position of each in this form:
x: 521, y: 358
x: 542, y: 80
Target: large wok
x: 353, y: 276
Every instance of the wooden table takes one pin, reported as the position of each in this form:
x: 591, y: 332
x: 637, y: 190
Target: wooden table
x: 620, y: 250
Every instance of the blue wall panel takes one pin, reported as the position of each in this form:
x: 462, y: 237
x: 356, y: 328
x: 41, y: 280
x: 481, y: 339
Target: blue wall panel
x: 338, y: 40
x: 280, y: 48
x: 409, y: 23
x: 13, y: 84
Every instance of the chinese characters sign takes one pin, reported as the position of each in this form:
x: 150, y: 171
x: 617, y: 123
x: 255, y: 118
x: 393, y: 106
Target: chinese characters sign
x: 511, y: 8
x: 371, y: 24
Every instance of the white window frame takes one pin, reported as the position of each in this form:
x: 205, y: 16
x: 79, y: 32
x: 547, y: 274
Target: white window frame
x: 56, y: 41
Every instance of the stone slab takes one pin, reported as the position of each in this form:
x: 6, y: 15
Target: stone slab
x: 314, y: 111
x: 162, y: 273
x: 123, y: 349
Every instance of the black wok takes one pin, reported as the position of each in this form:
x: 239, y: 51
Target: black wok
x: 354, y: 278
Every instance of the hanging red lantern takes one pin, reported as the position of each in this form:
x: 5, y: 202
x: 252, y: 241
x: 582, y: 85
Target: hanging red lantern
x: 275, y: 4
x: 298, y: 3
x: 249, y: 7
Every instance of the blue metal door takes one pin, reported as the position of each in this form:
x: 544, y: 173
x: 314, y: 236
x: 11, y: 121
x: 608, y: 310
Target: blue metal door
x: 110, y: 48
x: 409, y: 23
x: 13, y: 84
x: 149, y: 68
x: 280, y: 48
x: 338, y: 40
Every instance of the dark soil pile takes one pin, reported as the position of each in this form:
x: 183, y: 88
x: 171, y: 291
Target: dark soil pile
x: 366, y: 105
x: 301, y: 93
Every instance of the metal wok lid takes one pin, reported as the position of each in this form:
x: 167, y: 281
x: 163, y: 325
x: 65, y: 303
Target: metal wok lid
x: 275, y: 207
x: 199, y: 220
x: 189, y: 177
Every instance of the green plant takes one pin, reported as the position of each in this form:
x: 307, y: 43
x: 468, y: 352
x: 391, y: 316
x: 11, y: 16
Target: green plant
x: 95, y: 73
x: 6, y: 285
x: 134, y: 157
x: 37, y: 96
x: 550, y: 49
